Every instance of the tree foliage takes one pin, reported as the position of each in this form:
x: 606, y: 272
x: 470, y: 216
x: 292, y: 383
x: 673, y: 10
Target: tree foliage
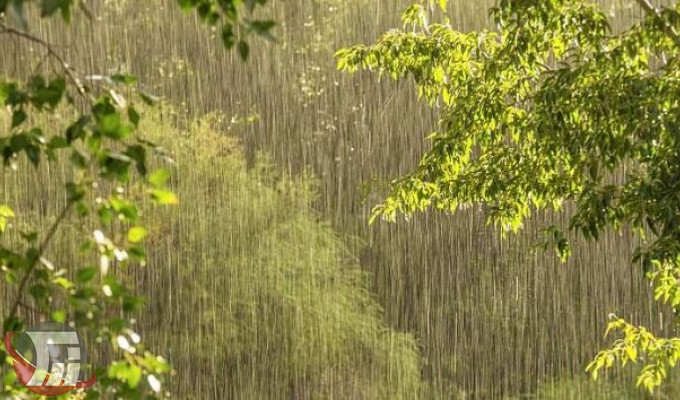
x: 110, y: 175
x: 233, y: 27
x: 272, y: 300
x: 551, y: 107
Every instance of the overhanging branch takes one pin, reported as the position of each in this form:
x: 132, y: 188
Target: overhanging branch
x: 4, y: 29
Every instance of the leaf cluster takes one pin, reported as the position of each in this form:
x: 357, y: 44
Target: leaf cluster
x: 549, y: 107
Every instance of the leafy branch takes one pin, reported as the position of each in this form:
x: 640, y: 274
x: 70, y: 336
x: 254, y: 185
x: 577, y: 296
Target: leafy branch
x: 517, y: 136
x: 102, y: 146
x: 4, y: 29
x: 36, y: 258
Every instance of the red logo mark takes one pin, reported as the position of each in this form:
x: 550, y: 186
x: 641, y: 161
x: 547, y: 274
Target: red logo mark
x: 26, y: 372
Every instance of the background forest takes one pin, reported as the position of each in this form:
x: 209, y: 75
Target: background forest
x: 267, y: 282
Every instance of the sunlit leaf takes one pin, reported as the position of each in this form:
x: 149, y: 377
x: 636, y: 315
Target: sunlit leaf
x: 136, y: 234
x: 162, y: 196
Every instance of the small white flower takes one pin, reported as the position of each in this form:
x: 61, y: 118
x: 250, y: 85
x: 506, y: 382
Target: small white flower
x: 121, y: 255
x: 135, y: 337
x: 154, y: 383
x: 123, y: 343
x: 104, y: 264
x: 99, y: 237
x: 107, y: 290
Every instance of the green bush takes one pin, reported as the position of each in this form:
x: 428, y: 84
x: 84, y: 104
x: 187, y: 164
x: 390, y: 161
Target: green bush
x: 265, y: 300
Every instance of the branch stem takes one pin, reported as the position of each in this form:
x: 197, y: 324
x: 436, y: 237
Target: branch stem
x: 4, y: 29
x: 41, y: 251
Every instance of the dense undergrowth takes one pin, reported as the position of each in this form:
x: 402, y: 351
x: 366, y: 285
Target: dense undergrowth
x: 271, y: 300
x: 250, y: 293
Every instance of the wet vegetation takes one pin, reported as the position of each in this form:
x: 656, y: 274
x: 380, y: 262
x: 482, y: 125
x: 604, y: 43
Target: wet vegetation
x: 266, y: 280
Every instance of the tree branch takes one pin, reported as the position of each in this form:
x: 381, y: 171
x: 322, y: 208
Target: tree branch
x: 651, y: 9
x: 41, y: 250
x: 4, y: 29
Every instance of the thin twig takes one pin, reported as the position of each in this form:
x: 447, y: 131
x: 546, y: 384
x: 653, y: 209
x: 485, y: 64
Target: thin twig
x: 86, y: 10
x: 41, y: 250
x: 50, y: 50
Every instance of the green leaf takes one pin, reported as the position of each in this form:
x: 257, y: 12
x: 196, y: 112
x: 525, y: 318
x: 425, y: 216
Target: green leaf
x: 39, y: 292
x: 161, y: 196
x: 6, y: 212
x: 49, y: 95
x: 82, y: 209
x: 18, y: 117
x: 49, y: 7
x: 77, y: 130
x: 79, y: 159
x: 19, y: 142
x: 263, y: 28
x: 136, y: 234
x: 124, y: 372
x: 243, y: 50
x: 59, y: 316
x: 133, y: 115
x: 117, y: 324
x: 33, y: 154
x: 5, y: 90
x: 133, y: 303
x: 57, y: 142
x: 30, y: 237
x: 228, y: 37
x: 124, y: 79
x: 134, y: 376
x: 137, y: 253
x: 148, y: 98
x: 186, y: 5
x: 13, y: 324
x: 63, y: 283
x: 116, y: 165
x: 125, y: 209
x: 105, y: 215
x: 138, y: 154
x: 86, y: 274
x: 75, y: 191
x: 159, y: 177
x: 111, y: 126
